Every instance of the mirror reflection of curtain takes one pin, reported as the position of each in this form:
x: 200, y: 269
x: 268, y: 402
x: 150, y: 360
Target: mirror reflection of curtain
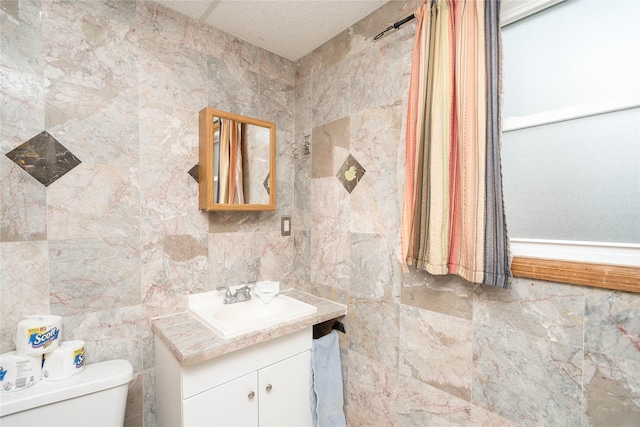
x: 230, y: 181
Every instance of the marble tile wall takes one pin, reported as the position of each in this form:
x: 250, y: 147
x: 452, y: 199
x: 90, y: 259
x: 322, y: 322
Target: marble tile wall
x: 425, y: 350
x: 119, y: 238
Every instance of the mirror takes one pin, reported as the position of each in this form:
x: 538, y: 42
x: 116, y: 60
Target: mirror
x: 237, y: 168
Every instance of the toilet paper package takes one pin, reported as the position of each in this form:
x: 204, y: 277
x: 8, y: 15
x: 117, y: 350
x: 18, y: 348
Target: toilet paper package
x: 64, y: 362
x: 38, y: 334
x: 19, y: 372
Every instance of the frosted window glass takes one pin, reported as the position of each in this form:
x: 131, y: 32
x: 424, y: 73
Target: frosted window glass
x: 572, y: 53
x: 575, y: 180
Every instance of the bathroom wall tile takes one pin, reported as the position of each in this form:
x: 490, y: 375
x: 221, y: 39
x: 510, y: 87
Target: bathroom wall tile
x: 374, y: 77
x: 330, y: 259
x: 173, y: 266
x: 366, y: 29
x: 149, y: 394
x: 93, y: 275
x: 276, y: 67
x: 526, y: 379
x: 68, y: 104
x: 24, y: 268
x: 276, y: 258
x: 232, y: 89
x: 277, y: 103
x: 301, y: 255
x: 111, y: 334
x: 108, y: 119
x: 373, y: 270
x: 419, y: 404
x: 611, y: 391
x: 106, y: 48
x: 323, y: 57
x: 436, y: 349
x: 374, y: 142
x: 121, y: 11
x: 22, y: 112
x: 21, y: 36
x: 229, y: 222
x: 373, y: 330
x: 483, y: 418
x: 543, y: 309
x: 133, y: 412
x: 301, y: 218
x: 612, y: 323
x: 160, y: 26
x: 303, y: 102
x: 304, y: 69
x: 325, y: 158
x: 363, y: 32
x: 331, y: 93
x: 329, y: 205
x: 237, y: 259
x: 371, y: 393
x: 239, y: 54
x: 173, y: 77
x: 97, y: 201
x: 169, y: 195
x: 285, y: 185
x: 23, y: 206
x: 448, y: 294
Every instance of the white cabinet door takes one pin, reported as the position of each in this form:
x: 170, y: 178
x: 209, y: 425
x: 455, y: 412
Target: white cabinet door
x: 231, y: 404
x: 285, y: 398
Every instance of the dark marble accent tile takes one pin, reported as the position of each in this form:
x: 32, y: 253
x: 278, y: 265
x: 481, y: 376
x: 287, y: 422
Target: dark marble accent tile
x: 350, y: 173
x: 194, y: 172
x: 44, y: 158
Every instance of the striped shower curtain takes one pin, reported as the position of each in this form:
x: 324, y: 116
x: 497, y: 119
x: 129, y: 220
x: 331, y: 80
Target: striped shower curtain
x: 453, y: 216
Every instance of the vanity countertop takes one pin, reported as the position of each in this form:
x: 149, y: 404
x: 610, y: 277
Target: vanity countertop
x: 191, y: 342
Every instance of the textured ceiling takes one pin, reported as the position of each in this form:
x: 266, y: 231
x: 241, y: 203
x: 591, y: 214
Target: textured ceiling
x: 289, y: 28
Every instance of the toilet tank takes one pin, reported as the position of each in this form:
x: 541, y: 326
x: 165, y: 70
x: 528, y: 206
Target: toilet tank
x: 95, y: 397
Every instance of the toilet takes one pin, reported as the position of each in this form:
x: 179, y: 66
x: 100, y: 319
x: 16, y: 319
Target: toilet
x: 95, y: 397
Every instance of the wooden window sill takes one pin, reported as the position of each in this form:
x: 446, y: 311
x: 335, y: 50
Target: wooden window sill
x: 578, y: 273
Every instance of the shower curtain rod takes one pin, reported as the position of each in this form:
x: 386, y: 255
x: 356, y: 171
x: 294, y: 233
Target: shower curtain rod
x: 396, y: 25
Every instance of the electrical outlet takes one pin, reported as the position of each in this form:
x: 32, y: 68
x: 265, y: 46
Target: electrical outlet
x: 285, y: 226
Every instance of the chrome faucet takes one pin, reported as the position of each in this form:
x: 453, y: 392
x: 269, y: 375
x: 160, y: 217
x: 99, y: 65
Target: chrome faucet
x: 241, y: 294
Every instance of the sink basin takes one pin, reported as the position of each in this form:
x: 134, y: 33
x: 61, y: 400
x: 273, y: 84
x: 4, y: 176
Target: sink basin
x: 232, y: 320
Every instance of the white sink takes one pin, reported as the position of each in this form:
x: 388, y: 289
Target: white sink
x: 232, y: 320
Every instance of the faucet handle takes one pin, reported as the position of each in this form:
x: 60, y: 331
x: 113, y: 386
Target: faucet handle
x: 246, y: 290
x: 225, y: 288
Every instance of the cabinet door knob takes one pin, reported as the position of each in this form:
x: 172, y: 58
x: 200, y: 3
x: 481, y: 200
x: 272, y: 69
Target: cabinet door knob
x: 269, y: 387
x: 251, y: 395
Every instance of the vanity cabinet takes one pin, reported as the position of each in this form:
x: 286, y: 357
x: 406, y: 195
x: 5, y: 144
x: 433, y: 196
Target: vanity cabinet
x: 267, y: 384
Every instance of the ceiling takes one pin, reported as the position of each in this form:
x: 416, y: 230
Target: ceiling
x: 288, y: 28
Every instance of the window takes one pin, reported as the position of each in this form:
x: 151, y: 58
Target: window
x: 571, y: 140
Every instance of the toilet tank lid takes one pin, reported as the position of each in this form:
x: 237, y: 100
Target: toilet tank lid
x: 95, y: 377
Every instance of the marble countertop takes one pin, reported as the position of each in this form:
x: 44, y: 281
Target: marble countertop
x: 191, y: 342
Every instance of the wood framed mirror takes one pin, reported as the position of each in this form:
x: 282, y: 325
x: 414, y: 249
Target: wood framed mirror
x: 237, y: 170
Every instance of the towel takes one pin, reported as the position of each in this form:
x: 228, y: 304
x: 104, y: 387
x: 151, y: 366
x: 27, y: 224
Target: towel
x: 326, y: 382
